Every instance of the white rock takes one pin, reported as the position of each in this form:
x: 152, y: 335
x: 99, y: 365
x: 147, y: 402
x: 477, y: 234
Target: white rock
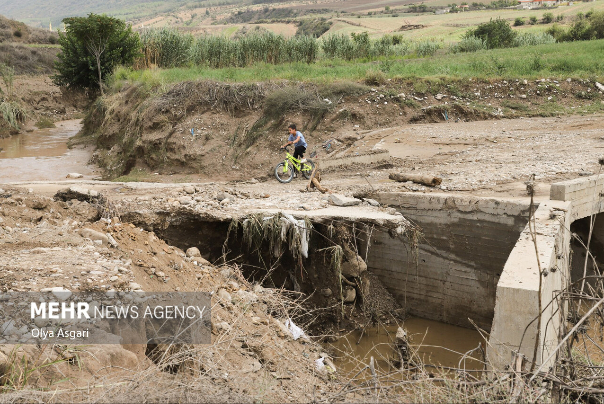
x: 135, y: 286
x: 599, y: 86
x: 189, y: 189
x: 372, y: 202
x: 114, y: 278
x: 340, y: 200
x: 222, y: 326
x: 40, y: 322
x: 74, y: 175
x: 8, y: 328
x: 224, y: 296
x: 193, y: 252
x: 60, y: 292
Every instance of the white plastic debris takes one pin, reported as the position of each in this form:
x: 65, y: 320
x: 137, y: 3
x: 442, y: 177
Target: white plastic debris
x: 304, y: 238
x: 320, y: 364
x: 295, y: 331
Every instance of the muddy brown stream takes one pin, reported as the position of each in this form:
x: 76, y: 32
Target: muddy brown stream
x: 436, y: 343
x: 43, y: 155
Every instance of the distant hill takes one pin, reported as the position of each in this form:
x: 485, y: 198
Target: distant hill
x: 41, y: 13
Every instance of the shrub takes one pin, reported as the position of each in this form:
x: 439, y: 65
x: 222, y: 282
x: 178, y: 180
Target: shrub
x: 530, y: 39
x: 426, y: 48
x: 557, y: 32
x: 495, y: 33
x: 533, y: 20
x: 471, y: 44
x: 547, y: 18
x: 559, y: 18
x: 375, y: 77
x: 518, y: 21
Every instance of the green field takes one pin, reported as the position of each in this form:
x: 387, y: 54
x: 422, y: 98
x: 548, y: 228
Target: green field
x: 560, y: 60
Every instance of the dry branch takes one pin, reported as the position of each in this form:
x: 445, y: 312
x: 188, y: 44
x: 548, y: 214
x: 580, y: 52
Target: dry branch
x: 417, y: 178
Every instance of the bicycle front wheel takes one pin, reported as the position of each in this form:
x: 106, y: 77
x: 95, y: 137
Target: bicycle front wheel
x: 283, y: 173
x: 307, y: 169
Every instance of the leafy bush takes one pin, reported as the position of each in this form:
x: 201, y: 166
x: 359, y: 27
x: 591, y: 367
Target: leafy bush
x: 495, y: 33
x: 533, y: 20
x: 518, y: 21
x: 471, y: 44
x: 557, y: 32
x: 313, y: 27
x: 547, y: 18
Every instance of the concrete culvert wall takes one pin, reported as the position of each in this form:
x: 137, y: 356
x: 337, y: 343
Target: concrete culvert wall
x: 326, y: 285
x: 466, y: 242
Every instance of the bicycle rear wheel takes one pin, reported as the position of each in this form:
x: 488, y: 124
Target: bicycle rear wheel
x: 284, y: 174
x: 307, y: 169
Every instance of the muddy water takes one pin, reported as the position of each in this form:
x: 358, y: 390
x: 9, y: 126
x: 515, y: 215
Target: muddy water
x: 42, y: 155
x: 437, y: 344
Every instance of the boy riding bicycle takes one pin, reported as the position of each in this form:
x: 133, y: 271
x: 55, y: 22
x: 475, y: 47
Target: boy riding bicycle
x: 297, y: 139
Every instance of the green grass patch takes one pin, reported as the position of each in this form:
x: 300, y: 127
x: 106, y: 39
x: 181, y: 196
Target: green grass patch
x: 583, y: 59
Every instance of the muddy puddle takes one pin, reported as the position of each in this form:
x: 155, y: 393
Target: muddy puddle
x: 437, y: 344
x: 42, y: 155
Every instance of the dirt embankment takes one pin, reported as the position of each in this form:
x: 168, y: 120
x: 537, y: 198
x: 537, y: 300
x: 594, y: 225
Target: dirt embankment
x: 44, y: 243
x: 233, y: 131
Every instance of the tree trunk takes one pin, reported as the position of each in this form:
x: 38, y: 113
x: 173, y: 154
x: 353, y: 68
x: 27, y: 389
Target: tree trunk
x: 98, y: 65
x: 417, y: 178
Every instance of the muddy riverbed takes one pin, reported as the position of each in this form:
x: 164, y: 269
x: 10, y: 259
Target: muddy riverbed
x: 43, y: 155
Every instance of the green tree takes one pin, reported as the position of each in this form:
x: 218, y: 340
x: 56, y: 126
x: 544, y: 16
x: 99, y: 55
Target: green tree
x: 495, y: 33
x: 547, y: 18
x: 91, y: 48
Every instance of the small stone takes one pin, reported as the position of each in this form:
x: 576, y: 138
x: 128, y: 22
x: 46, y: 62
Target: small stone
x: 40, y: 322
x: 225, y: 201
x: 222, y: 327
x: 61, y: 293
x: 74, y: 175
x: 193, y: 252
x: 326, y: 292
x: 351, y: 295
x: 221, y: 196
x: 189, y: 189
x: 372, y: 202
x: 185, y: 200
x: 340, y: 200
x: 114, y: 278
x: 233, y: 285
x: 135, y: 286
x: 94, y: 235
x: 8, y: 328
x: 224, y: 296
x: 258, y: 289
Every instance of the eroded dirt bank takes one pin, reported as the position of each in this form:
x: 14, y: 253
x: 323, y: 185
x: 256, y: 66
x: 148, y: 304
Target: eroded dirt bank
x: 232, y: 131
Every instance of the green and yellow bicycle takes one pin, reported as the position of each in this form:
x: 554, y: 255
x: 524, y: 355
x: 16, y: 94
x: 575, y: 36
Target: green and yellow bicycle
x: 286, y: 170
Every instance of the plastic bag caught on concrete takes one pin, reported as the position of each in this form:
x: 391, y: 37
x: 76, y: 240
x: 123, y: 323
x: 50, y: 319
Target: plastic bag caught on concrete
x: 304, y: 237
x: 295, y: 331
x: 320, y: 364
